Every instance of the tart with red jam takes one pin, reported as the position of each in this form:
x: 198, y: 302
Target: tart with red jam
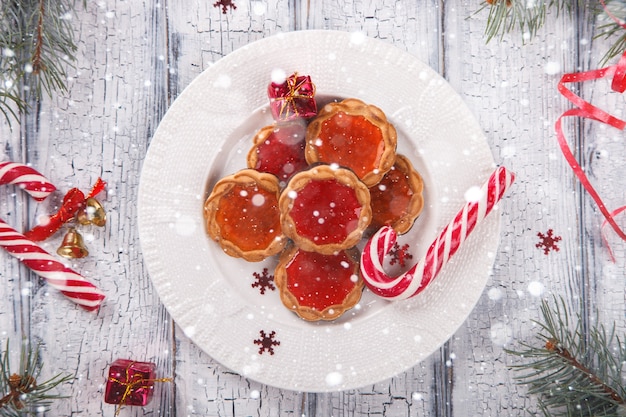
x: 355, y: 135
x: 279, y: 150
x: 317, y: 286
x: 242, y: 215
x: 397, y: 199
x: 325, y: 209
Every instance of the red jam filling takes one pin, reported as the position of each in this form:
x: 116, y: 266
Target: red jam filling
x: 249, y: 217
x: 282, y: 153
x: 320, y: 281
x: 390, y: 198
x: 325, y: 211
x: 350, y: 141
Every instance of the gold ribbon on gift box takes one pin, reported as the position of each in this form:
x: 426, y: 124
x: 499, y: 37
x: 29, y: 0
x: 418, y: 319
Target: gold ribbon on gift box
x: 133, y: 385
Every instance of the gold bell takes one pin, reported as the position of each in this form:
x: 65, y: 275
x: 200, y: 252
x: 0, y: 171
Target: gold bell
x: 72, y: 246
x: 93, y: 213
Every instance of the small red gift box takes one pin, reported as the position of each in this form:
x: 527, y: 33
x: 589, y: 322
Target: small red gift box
x: 292, y: 99
x: 130, y: 382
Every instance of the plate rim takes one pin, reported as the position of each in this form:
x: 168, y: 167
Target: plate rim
x: 144, y: 206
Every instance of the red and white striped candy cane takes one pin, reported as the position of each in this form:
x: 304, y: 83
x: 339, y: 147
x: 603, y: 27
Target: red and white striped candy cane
x: 69, y: 282
x: 413, y: 281
x: 26, y: 178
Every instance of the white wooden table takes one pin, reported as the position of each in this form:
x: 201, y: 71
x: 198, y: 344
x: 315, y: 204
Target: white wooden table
x: 136, y: 57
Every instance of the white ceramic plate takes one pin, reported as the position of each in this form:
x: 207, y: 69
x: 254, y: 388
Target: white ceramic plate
x: 206, y: 135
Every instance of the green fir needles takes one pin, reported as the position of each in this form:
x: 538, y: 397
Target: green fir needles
x: 508, y: 15
x: 609, y: 28
x: 527, y: 17
x: 572, y: 372
x: 21, y: 392
x: 36, y: 46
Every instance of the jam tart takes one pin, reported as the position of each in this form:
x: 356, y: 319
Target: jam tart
x: 279, y: 150
x: 397, y: 200
x: 317, y: 286
x: 355, y: 135
x: 242, y: 215
x: 325, y: 209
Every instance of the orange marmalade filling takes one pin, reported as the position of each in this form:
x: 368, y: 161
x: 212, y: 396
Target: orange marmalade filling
x: 320, y: 281
x: 350, y: 141
x: 249, y: 217
x: 325, y: 211
x: 390, y: 198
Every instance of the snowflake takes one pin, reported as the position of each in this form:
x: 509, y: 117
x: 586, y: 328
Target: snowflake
x: 263, y: 281
x: 548, y: 242
x: 400, y: 254
x: 267, y: 342
x: 225, y: 4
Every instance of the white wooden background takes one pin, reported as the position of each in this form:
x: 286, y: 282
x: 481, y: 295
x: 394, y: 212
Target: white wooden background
x: 134, y: 59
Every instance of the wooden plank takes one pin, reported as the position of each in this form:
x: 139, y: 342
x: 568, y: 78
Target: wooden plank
x: 101, y: 128
x: 16, y: 287
x: 412, y: 26
x: 600, y: 148
x: 416, y: 28
x: 516, y: 102
x: 198, y: 36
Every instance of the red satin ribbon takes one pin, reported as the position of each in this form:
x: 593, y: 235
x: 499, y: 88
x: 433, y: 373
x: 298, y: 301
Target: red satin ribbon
x: 589, y: 111
x: 73, y: 201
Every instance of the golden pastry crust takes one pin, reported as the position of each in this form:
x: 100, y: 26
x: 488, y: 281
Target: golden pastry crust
x: 336, y: 287
x: 398, y: 199
x: 242, y: 215
x: 353, y: 134
x: 325, y: 209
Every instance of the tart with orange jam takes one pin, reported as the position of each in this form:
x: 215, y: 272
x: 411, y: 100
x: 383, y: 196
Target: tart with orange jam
x: 355, y: 135
x: 325, y: 209
x: 397, y: 199
x: 242, y: 215
x: 317, y: 286
x: 279, y: 150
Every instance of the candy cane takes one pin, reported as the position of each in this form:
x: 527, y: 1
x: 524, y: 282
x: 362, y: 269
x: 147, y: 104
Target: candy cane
x: 70, y: 283
x: 27, y: 178
x: 413, y: 281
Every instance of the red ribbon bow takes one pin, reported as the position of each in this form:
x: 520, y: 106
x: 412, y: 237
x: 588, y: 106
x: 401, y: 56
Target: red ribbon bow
x: 73, y: 201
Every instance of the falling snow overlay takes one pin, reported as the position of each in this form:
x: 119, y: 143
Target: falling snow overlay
x: 400, y: 254
x: 548, y: 241
x: 225, y: 4
x: 264, y: 281
x: 266, y: 342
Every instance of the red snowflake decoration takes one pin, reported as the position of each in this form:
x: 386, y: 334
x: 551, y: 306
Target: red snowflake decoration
x: 400, y: 254
x: 548, y: 241
x: 225, y: 4
x: 266, y: 342
x: 264, y: 281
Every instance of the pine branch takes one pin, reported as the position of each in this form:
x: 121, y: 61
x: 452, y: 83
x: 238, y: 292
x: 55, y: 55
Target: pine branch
x: 21, y: 393
x: 613, y: 29
x: 508, y: 15
x: 572, y: 375
x: 36, y: 48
